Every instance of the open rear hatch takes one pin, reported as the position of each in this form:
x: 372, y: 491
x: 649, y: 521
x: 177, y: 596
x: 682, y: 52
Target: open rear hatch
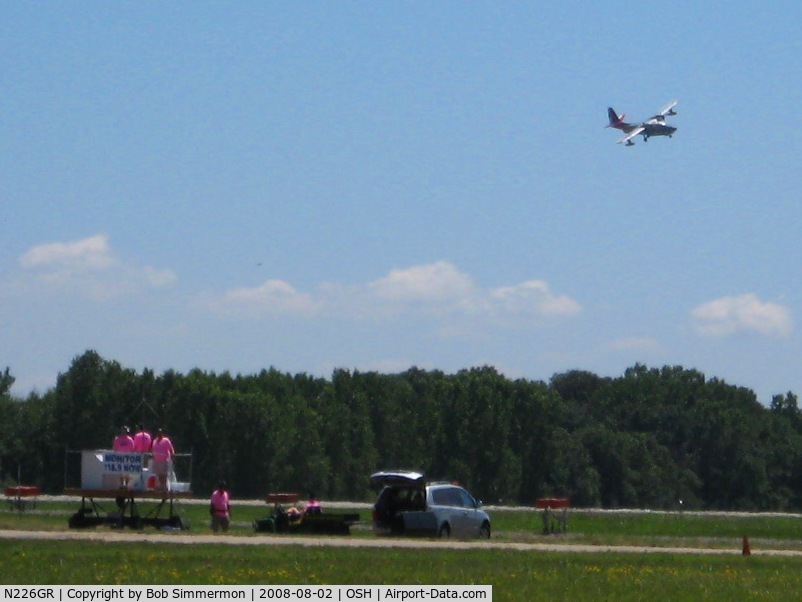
x: 397, y: 478
x: 402, y: 502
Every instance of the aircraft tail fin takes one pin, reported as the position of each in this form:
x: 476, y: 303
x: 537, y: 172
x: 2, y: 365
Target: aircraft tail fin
x: 615, y: 121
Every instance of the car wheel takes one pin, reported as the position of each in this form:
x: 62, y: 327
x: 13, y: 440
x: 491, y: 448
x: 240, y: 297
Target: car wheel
x: 445, y: 532
x: 484, y: 531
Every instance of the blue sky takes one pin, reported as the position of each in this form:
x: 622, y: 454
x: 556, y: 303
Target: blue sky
x: 365, y: 185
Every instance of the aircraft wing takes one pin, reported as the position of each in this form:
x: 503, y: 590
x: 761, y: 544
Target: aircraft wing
x: 668, y: 109
x: 632, y: 134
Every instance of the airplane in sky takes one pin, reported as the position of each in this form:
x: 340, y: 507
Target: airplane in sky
x: 654, y: 126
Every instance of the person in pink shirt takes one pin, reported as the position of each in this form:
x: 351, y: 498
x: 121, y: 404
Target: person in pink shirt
x: 123, y: 443
x: 312, y: 506
x: 220, y: 508
x: 142, y: 440
x: 163, y: 452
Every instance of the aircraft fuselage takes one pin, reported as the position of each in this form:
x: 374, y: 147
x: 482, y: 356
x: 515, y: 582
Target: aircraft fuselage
x: 657, y: 129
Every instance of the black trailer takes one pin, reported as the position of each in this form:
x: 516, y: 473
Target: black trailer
x: 284, y: 520
x: 133, y: 509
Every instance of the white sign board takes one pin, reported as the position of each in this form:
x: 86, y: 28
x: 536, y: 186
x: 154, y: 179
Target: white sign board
x: 102, y: 469
x: 122, y: 463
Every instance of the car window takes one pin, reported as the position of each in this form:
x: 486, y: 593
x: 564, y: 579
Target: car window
x: 456, y: 497
x: 467, y: 500
x: 447, y: 496
x: 439, y: 497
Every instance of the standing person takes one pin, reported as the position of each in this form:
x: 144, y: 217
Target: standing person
x: 124, y: 444
x: 220, y: 508
x: 312, y: 505
x: 142, y: 440
x: 163, y: 452
x: 142, y: 443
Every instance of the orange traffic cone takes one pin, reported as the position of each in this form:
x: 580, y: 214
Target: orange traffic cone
x: 747, y: 551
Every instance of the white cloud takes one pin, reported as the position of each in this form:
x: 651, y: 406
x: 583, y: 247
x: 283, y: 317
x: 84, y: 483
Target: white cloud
x: 533, y: 297
x: 745, y: 313
x: 90, y: 268
x: 272, y: 297
x: 438, y: 289
x: 435, y: 283
x: 158, y: 278
x: 89, y: 254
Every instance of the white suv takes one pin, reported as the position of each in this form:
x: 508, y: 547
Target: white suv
x: 409, y: 505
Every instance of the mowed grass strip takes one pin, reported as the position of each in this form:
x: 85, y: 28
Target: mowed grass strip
x: 662, y: 529
x: 514, y: 575
x: 766, y: 531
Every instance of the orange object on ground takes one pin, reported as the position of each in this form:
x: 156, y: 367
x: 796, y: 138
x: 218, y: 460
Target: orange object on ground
x: 552, y: 502
x: 23, y: 491
x: 282, y: 498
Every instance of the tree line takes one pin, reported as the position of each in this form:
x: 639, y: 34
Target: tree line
x: 647, y: 439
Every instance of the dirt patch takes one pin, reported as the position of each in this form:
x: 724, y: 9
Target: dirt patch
x: 348, y: 542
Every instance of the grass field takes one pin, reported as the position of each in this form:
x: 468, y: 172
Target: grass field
x: 514, y: 575
x: 775, y: 531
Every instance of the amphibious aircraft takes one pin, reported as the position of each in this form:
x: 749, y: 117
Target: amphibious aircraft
x: 654, y: 126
